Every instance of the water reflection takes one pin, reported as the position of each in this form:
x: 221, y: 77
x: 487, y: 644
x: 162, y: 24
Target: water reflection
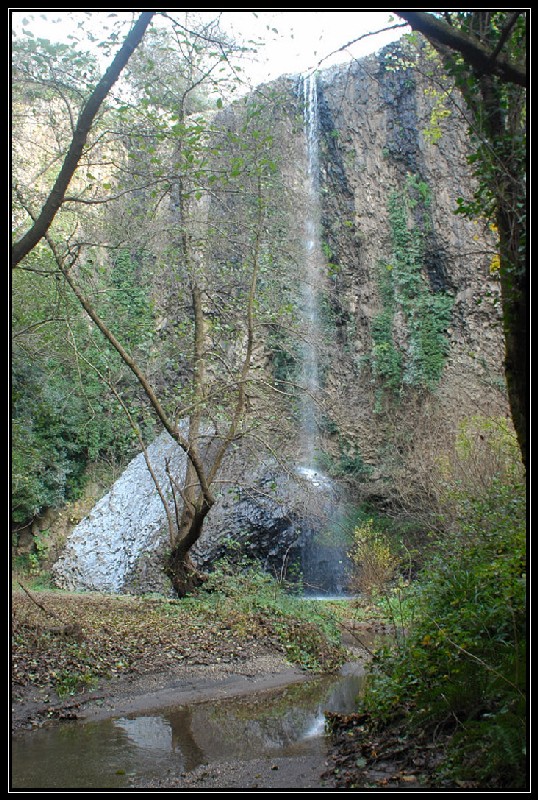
x: 112, y: 753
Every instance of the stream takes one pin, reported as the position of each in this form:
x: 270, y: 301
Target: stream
x: 125, y: 751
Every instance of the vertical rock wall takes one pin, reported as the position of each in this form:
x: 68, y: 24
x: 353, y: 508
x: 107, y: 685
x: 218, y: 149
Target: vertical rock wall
x: 375, y: 115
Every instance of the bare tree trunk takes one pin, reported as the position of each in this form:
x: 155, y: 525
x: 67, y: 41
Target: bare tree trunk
x: 514, y: 290
x: 196, y: 501
x: 507, y: 185
x: 201, y: 471
x: 196, y: 494
x: 180, y: 569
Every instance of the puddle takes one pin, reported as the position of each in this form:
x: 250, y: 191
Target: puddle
x: 112, y: 754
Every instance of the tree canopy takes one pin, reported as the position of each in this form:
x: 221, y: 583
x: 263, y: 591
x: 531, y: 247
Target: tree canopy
x: 91, y: 107
x: 171, y: 261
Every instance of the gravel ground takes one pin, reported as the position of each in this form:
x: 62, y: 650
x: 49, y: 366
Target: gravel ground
x: 296, y: 772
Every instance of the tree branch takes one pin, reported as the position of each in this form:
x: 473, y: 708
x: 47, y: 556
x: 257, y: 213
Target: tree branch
x: 359, y: 38
x: 473, y: 51
x: 80, y: 135
x: 130, y: 362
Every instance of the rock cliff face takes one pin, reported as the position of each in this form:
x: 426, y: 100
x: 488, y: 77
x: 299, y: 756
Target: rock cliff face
x: 409, y: 339
x: 414, y: 341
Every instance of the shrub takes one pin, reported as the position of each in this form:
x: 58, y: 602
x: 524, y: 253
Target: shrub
x: 484, y: 454
x: 257, y: 603
x: 373, y: 559
x: 415, y: 355
x: 461, y: 669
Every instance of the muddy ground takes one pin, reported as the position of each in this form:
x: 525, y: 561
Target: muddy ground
x: 259, y: 675
x: 135, y: 655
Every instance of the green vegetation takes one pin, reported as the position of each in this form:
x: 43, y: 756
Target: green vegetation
x: 304, y: 630
x: 64, y: 416
x: 137, y: 247
x: 373, y: 558
x: 348, y: 462
x: 417, y: 361
x: 285, y: 357
x: 459, y: 668
x: 128, y: 301
x: 497, y: 105
x: 438, y: 114
x: 239, y: 613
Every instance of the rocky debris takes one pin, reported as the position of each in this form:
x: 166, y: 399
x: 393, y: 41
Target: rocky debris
x: 125, y: 524
x: 121, y: 545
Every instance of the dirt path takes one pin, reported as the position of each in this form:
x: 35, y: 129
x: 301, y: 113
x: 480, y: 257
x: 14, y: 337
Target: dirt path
x: 184, y: 685
x: 296, y: 772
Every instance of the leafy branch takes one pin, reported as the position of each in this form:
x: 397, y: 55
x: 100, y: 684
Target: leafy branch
x: 43, y: 221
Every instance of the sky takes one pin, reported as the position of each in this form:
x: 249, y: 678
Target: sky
x: 295, y: 41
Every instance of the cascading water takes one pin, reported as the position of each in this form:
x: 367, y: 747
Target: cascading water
x: 103, y: 551
x: 313, y: 256
x: 323, y: 561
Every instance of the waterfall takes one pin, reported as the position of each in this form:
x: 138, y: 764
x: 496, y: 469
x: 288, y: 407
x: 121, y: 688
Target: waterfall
x: 313, y: 274
x: 323, y: 558
x: 105, y: 549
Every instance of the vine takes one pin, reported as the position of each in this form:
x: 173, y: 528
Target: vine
x: 417, y: 357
